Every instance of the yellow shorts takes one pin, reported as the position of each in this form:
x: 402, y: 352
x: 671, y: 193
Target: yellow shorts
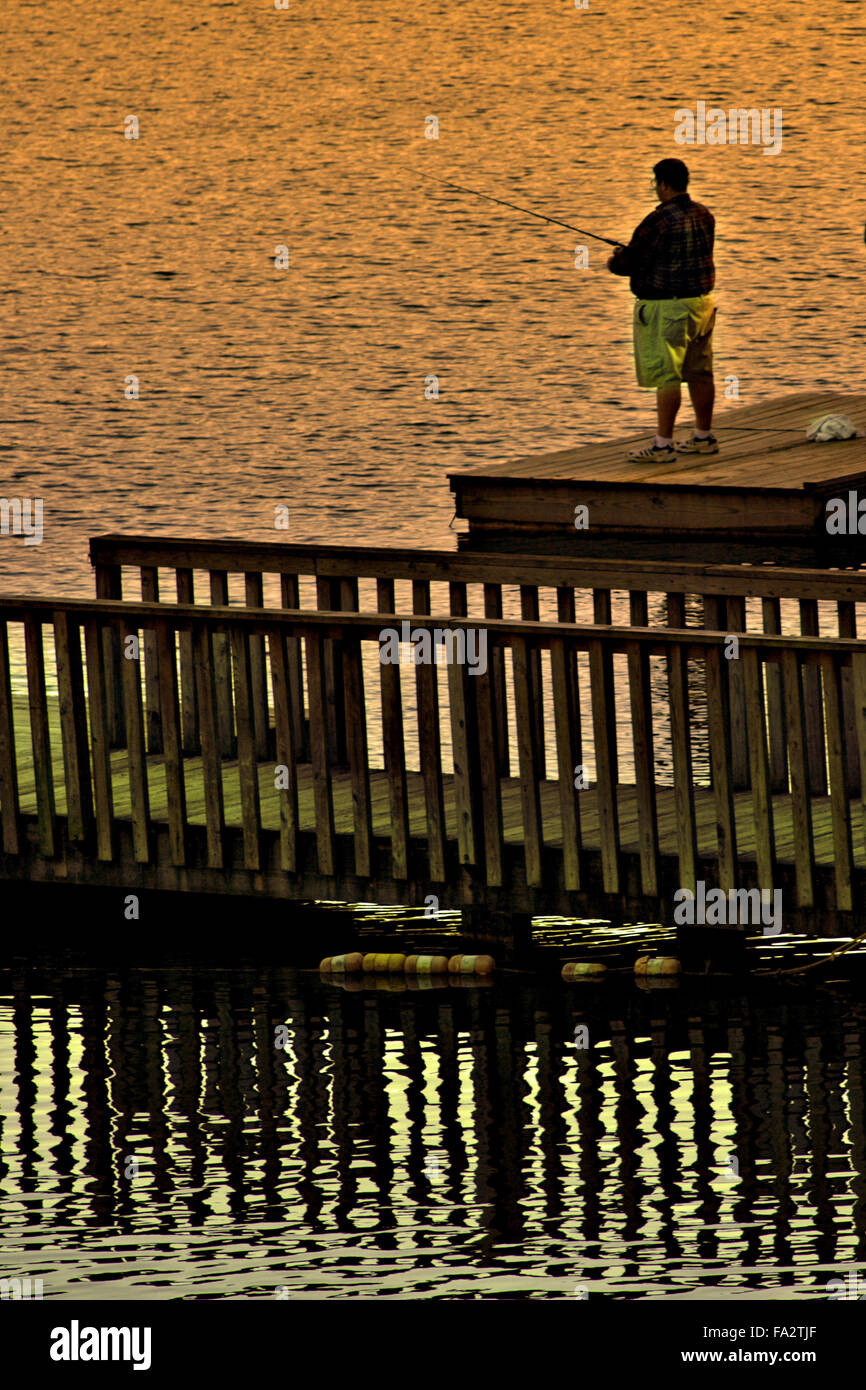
x: 673, y: 339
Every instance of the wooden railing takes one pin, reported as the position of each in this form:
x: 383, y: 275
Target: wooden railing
x: 733, y: 599
x: 524, y: 835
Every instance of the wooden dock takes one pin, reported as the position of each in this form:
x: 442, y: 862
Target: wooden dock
x: 761, y: 498
x: 157, y: 769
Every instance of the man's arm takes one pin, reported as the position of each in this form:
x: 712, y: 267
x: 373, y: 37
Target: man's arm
x: 627, y: 260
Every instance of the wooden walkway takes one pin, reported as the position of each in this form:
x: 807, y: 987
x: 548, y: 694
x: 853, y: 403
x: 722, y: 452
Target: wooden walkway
x: 627, y: 805
x: 153, y: 765
x: 763, y: 497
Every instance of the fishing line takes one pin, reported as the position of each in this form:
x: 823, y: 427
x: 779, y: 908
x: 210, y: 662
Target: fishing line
x: 581, y: 231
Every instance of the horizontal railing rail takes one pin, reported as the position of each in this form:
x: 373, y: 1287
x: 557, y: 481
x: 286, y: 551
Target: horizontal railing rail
x: 733, y: 598
x: 468, y: 567
x: 448, y: 807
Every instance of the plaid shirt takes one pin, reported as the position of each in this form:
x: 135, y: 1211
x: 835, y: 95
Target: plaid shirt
x: 670, y: 255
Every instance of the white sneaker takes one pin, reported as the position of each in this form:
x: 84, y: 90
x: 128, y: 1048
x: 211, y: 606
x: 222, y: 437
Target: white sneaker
x: 710, y: 445
x: 653, y: 453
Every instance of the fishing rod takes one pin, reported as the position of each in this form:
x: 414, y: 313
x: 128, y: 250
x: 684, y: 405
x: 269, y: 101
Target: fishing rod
x: 528, y: 211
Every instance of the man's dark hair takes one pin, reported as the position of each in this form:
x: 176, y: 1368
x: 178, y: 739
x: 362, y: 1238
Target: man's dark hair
x: 672, y: 172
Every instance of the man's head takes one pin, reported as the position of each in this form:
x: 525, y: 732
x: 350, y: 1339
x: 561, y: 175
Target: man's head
x: 671, y: 178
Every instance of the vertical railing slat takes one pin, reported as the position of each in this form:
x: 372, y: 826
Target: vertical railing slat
x: 529, y: 762
x: 10, y: 810
x: 858, y: 700
x: 644, y: 766
x: 488, y: 766
x: 109, y: 585
x: 320, y: 754
x: 290, y: 597
x: 813, y: 703
x: 152, y: 714
x: 40, y: 736
x: 771, y: 612
x: 189, y: 704
x: 840, y: 810
x: 566, y: 613
x: 209, y: 729
x: 798, y: 764
x: 684, y: 792
x: 100, y: 750
x: 759, y: 768
x: 602, y: 614
x: 136, y: 760
x: 430, y: 747
x: 73, y: 727
x: 605, y: 763
x: 172, y: 742
x: 529, y: 612
x: 568, y: 758
x: 393, y: 745
x: 328, y: 600
x: 285, y: 751
x: 254, y: 598
x: 735, y: 622
x: 251, y: 816
x: 719, y: 721
x: 493, y: 609
x: 222, y: 669
x: 356, y: 748
x: 848, y: 629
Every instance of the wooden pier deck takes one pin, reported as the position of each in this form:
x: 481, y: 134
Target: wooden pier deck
x: 627, y: 811
x: 763, y: 497
x: 156, y: 768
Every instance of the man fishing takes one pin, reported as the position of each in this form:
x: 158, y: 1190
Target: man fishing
x: 670, y: 263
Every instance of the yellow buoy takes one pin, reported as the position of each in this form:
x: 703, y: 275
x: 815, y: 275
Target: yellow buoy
x: 583, y: 970
x: 426, y: 965
x: 471, y: 965
x: 374, y: 961
x: 351, y: 962
x: 657, y: 965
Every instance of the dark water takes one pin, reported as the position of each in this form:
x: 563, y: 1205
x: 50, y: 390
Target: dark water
x: 158, y: 1141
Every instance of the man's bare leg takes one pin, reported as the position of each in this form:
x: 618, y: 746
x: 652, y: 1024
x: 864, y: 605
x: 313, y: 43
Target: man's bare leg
x: 668, y: 403
x: 702, y: 390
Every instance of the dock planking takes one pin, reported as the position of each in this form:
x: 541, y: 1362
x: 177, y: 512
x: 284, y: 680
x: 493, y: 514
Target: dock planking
x: 762, y: 497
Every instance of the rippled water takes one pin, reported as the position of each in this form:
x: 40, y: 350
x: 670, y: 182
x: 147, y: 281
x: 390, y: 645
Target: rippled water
x: 447, y: 1142
x: 306, y: 128
x: 162, y: 1138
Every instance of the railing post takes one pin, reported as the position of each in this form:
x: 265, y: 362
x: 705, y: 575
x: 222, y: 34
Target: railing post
x: 772, y: 615
x: 499, y: 689
x: 109, y: 585
x: 254, y: 596
x: 73, y: 728
x: 328, y: 600
x: 740, y: 763
x: 530, y: 612
x: 152, y: 711
x: 848, y: 628
x: 188, y: 701
x: 813, y: 704
x: 222, y: 671
x: 10, y: 813
x: 290, y: 597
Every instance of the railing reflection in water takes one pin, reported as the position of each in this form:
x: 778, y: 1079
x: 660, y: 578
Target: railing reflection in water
x: 159, y: 1141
